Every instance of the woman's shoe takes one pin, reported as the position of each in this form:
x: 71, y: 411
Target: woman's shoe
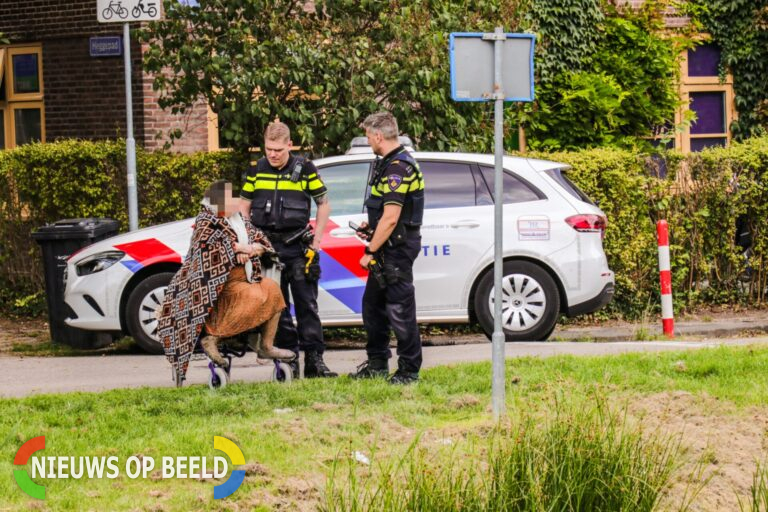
x: 276, y: 353
x: 268, y: 350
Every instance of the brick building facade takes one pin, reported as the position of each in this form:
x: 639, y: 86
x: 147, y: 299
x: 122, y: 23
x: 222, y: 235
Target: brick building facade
x: 79, y: 96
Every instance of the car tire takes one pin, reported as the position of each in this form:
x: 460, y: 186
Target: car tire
x: 530, y: 302
x: 140, y: 310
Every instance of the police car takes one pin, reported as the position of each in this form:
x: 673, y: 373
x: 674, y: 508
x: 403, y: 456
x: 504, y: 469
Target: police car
x: 554, y: 261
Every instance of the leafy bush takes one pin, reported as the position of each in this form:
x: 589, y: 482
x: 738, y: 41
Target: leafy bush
x: 42, y: 183
x: 701, y: 197
x: 606, y: 76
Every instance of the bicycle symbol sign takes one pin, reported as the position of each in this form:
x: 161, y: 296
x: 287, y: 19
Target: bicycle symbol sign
x: 121, y: 11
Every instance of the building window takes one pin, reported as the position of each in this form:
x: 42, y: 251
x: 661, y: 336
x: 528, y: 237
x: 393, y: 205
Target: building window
x: 711, y: 99
x: 22, y: 109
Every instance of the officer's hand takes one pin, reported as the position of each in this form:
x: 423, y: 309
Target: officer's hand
x: 365, y: 260
x: 361, y: 234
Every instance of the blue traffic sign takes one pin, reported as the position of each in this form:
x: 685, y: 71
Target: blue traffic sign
x: 106, y: 46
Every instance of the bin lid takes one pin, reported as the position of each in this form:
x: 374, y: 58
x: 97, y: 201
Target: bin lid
x: 76, y: 229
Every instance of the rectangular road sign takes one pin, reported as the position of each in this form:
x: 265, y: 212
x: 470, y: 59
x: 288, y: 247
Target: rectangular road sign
x: 106, y: 46
x: 123, y: 11
x: 472, y: 67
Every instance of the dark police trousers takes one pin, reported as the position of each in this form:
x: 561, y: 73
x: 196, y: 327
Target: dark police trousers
x: 394, y: 307
x: 308, y: 333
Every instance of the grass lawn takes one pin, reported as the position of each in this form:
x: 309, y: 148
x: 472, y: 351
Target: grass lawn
x: 295, y: 436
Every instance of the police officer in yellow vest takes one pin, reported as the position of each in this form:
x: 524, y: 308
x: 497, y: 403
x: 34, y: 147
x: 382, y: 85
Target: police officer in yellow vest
x: 395, y: 210
x: 276, y: 197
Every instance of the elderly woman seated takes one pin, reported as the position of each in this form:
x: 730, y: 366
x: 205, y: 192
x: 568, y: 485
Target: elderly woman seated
x: 219, y: 291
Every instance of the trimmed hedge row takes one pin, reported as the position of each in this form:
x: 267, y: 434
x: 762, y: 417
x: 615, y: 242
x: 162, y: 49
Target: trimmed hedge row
x: 701, y: 196
x: 42, y: 183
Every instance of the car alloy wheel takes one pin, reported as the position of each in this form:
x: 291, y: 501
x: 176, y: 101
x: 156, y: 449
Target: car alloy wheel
x: 523, y: 302
x: 148, y: 311
x: 141, y: 310
x: 530, y: 301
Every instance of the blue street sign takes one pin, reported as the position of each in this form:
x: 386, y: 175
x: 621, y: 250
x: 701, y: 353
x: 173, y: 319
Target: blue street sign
x: 106, y: 46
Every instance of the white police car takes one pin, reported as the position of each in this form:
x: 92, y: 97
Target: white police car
x: 553, y: 253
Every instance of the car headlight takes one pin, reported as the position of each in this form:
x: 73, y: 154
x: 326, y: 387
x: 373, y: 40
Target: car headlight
x: 98, y: 262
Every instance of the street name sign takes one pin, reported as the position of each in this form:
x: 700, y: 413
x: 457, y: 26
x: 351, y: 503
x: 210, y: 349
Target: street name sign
x: 106, y: 46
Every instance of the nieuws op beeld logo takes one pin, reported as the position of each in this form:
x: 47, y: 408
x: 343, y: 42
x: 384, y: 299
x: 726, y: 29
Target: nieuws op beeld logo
x: 79, y: 467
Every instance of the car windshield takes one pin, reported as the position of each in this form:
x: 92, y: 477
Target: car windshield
x: 346, y: 185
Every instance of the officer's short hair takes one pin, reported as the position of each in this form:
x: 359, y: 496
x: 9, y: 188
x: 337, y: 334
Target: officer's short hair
x: 384, y: 123
x: 216, y: 193
x: 277, y: 131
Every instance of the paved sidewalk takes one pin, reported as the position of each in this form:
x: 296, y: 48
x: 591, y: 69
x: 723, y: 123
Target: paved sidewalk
x: 23, y: 376
x: 722, y: 324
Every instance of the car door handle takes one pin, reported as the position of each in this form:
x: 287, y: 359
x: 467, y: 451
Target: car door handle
x: 342, y: 233
x: 471, y: 224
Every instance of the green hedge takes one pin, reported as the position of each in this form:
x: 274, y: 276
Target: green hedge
x: 701, y: 196
x: 42, y: 183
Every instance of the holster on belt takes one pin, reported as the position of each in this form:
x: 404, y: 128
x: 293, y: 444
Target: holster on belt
x: 376, y: 269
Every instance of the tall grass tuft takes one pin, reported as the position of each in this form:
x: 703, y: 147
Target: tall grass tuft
x: 580, y: 459
x: 758, y: 501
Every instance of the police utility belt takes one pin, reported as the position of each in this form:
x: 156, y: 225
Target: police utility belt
x: 288, y: 237
x: 401, y: 233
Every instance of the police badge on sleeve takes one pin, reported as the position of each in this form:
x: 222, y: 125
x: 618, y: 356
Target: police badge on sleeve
x: 394, y: 181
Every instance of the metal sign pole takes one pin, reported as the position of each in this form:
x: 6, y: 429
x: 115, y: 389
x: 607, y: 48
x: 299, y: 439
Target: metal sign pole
x: 498, y: 389
x: 130, y: 143
x: 477, y: 74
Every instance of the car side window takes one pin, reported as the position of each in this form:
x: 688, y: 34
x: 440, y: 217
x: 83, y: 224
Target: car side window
x: 515, y: 189
x: 346, y: 184
x: 447, y: 184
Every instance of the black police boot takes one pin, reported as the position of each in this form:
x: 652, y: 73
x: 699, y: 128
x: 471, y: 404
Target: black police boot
x: 371, y: 369
x: 403, y: 377
x: 314, y: 366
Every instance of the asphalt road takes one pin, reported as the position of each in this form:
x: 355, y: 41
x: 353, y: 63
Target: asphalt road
x: 23, y: 376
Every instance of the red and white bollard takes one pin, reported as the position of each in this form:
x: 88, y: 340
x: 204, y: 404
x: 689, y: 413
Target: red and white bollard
x: 665, y: 278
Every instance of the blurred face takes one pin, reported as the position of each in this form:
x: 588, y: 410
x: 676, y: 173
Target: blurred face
x: 374, y: 140
x: 231, y: 203
x: 277, y: 152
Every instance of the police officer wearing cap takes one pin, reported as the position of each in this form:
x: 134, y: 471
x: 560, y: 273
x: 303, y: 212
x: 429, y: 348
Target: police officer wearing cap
x: 395, y: 210
x: 276, y: 197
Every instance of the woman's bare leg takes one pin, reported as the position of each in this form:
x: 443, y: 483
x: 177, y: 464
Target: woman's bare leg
x: 267, y: 350
x: 269, y: 330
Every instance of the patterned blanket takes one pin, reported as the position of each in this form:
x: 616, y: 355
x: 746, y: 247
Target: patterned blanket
x: 193, y: 291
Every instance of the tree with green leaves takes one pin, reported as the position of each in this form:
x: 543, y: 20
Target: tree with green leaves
x: 603, y: 76
x: 740, y: 29
x: 321, y: 71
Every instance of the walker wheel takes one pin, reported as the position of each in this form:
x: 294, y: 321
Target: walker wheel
x: 282, y: 372
x: 218, y: 378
